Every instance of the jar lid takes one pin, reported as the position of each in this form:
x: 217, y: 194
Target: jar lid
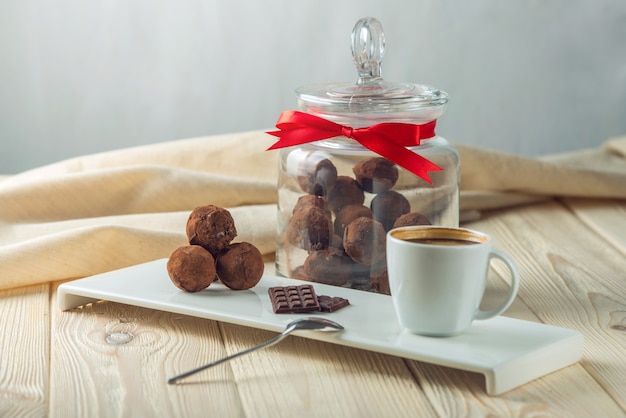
x: 371, y: 94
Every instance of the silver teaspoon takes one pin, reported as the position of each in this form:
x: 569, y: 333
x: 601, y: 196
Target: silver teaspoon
x: 311, y: 324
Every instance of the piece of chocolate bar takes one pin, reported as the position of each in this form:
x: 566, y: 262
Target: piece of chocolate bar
x: 293, y: 299
x: 332, y: 303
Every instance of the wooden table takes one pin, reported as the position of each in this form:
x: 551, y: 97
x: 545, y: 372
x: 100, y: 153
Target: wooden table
x: 572, y: 257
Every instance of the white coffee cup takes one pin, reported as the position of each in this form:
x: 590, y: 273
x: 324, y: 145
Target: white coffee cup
x: 438, y: 276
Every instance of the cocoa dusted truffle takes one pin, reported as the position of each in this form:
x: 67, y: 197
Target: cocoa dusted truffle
x: 308, y: 200
x: 240, y: 266
x: 329, y: 266
x: 379, y: 279
x: 346, y: 192
x: 364, y: 241
x: 298, y: 273
x: 310, y: 229
x: 376, y: 174
x: 348, y: 214
x: 389, y: 206
x: 411, y: 219
x: 191, y: 268
x: 317, y: 175
x: 337, y: 241
x: 211, y: 227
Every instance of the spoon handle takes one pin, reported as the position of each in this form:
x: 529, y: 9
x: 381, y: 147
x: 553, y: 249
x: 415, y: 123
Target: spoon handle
x: 266, y: 344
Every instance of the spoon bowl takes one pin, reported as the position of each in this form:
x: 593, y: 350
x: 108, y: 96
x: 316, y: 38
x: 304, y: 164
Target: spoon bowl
x: 314, y: 324
x: 305, y: 324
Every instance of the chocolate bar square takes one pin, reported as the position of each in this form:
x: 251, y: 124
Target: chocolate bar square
x: 332, y: 303
x: 293, y: 299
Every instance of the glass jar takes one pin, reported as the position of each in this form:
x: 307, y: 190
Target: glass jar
x: 346, y: 178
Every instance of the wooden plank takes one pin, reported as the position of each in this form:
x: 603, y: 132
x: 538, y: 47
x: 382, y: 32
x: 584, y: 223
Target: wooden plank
x: 606, y: 217
x: 111, y: 359
x: 24, y: 340
x: 570, y: 392
x: 571, y: 277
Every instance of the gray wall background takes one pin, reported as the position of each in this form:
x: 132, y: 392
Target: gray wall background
x: 525, y: 76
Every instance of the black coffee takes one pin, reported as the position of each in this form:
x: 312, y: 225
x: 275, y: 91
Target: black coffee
x: 441, y: 241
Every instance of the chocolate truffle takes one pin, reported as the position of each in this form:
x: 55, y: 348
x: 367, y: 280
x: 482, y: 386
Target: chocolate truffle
x: 376, y: 174
x: 298, y: 273
x: 191, y: 268
x: 240, y: 266
x: 317, y: 175
x: 348, y: 214
x: 337, y: 241
x: 329, y: 266
x: 310, y: 229
x: 379, y: 279
x: 364, y: 241
x: 346, y: 192
x: 411, y: 219
x: 308, y: 200
x: 389, y: 206
x: 211, y: 227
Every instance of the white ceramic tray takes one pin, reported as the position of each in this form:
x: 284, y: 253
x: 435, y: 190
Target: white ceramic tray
x: 508, y: 352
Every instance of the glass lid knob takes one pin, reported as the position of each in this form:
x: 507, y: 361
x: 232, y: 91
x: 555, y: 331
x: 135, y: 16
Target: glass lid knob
x: 368, y: 48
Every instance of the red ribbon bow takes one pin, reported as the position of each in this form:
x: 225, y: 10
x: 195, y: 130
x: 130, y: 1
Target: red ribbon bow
x: 388, y: 140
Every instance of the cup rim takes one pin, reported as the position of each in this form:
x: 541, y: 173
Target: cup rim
x: 478, y: 237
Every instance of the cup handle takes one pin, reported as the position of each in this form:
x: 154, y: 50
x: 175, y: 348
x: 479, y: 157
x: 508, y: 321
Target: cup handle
x: 512, y: 290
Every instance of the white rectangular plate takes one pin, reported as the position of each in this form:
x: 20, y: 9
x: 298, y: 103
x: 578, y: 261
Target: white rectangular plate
x: 508, y: 352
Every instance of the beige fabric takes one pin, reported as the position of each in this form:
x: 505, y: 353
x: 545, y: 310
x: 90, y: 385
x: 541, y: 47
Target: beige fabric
x: 492, y: 180
x: 105, y: 211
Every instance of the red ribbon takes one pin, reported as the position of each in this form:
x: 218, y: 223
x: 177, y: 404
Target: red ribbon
x: 388, y: 140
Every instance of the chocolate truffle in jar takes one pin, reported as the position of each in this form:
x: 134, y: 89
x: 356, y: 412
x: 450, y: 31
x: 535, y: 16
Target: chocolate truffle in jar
x: 369, y: 148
